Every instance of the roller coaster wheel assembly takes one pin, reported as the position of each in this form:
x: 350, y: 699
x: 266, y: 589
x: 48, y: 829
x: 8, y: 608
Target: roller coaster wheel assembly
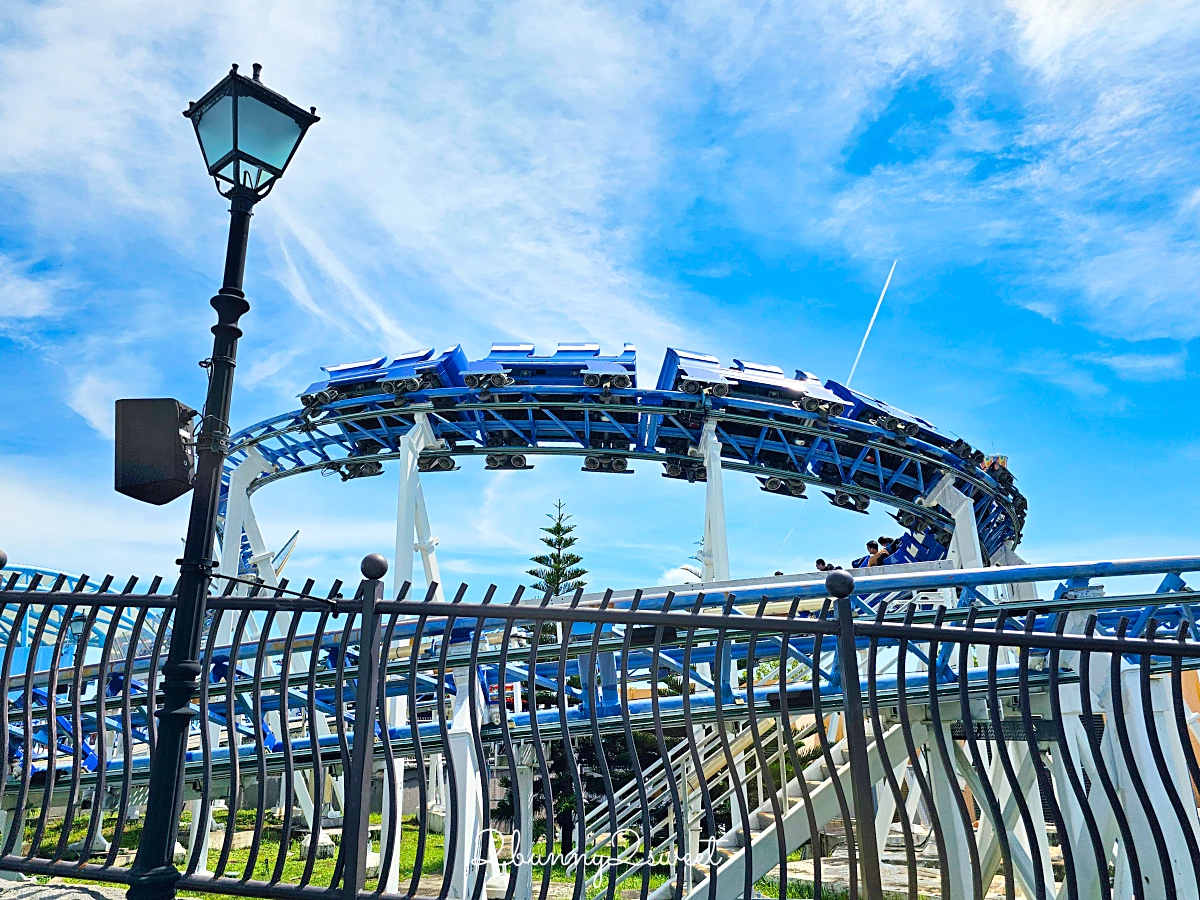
x: 362, y: 469
x: 690, y: 387
x: 517, y: 461
x: 720, y: 390
x: 493, y: 461
x: 962, y: 449
x: 620, y: 382
x: 620, y: 464
x: 499, y: 380
x: 471, y: 381
x: 796, y: 488
x: 591, y: 379
x: 809, y: 404
x: 320, y: 398
x: 591, y: 463
x: 861, y: 503
x: 773, y: 484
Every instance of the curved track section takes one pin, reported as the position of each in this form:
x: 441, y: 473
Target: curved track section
x: 513, y: 406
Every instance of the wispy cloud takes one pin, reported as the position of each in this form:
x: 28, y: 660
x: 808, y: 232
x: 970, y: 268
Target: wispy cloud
x: 1061, y: 370
x: 22, y: 294
x: 1143, y: 366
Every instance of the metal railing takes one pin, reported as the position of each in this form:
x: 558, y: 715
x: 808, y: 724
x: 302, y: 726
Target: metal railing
x: 700, y: 747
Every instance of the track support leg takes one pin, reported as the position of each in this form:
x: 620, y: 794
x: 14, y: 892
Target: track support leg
x: 412, y: 518
x: 715, y: 552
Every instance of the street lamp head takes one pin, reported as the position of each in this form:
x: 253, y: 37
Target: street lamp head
x: 248, y: 133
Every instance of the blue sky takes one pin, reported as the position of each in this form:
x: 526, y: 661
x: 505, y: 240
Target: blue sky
x: 731, y: 178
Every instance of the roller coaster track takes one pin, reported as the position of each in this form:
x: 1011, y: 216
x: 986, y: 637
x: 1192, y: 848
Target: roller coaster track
x: 856, y: 461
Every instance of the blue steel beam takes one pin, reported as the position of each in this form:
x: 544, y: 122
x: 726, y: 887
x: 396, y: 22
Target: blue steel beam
x: 788, y: 432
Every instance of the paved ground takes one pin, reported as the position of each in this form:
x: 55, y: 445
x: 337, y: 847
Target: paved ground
x: 13, y: 890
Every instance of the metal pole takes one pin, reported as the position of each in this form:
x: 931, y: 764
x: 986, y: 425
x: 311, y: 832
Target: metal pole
x: 357, y: 820
x: 154, y: 876
x: 841, y: 585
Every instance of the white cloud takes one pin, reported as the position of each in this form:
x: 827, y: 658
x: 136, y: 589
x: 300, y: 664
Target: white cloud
x: 1062, y: 371
x: 83, y: 527
x: 94, y: 398
x: 1143, y: 366
x: 679, y: 575
x: 23, y: 296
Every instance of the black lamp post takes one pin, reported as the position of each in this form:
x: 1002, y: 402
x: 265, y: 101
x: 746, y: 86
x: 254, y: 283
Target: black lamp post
x: 248, y: 135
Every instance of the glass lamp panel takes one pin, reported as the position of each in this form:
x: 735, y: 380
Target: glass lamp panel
x: 254, y: 176
x: 215, y: 129
x: 265, y: 133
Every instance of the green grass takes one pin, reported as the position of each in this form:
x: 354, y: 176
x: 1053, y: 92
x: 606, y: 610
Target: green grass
x: 323, y: 869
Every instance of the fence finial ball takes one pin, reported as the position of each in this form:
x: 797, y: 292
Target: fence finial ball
x: 3, y: 559
x: 374, y: 566
x: 839, y: 583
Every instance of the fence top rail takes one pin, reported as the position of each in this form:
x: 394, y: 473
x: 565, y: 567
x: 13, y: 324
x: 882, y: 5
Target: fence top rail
x: 813, y: 586
x: 1003, y: 631
x: 86, y: 601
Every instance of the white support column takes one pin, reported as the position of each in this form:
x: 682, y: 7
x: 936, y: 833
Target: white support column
x: 1143, y: 760
x: 411, y: 516
x: 522, y: 864
x: 885, y: 810
x: 470, y: 790
x: 397, y: 718
x: 716, y: 545
x: 1023, y: 592
x: 391, y: 877
x: 426, y: 543
x: 238, y: 513
x: 964, y: 547
x: 944, y: 788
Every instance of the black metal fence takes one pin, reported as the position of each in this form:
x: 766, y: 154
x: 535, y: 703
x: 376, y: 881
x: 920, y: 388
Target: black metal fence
x: 533, y: 748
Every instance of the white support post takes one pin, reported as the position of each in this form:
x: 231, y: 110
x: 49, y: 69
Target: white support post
x: 715, y: 553
x: 397, y: 718
x: 522, y: 863
x: 471, y: 792
x: 426, y: 544
x: 1023, y: 592
x: 412, y: 519
x: 1143, y: 761
x: 238, y: 514
x: 964, y: 546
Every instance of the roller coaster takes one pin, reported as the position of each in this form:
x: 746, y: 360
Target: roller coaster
x: 427, y: 411
x: 939, y: 699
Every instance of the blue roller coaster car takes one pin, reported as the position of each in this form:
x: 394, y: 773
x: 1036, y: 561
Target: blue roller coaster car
x: 692, y: 373
x: 913, y: 548
x: 571, y: 365
x: 699, y: 373
x: 408, y: 373
x: 758, y: 381
x: 864, y: 408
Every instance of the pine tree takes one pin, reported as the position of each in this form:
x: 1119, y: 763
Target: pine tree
x: 558, y: 571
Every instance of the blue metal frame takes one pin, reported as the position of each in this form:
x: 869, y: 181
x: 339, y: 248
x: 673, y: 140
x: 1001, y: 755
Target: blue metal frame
x: 572, y: 403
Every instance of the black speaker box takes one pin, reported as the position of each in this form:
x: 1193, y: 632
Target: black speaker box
x: 155, y: 460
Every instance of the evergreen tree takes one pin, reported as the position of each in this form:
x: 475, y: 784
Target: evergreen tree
x: 558, y: 571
